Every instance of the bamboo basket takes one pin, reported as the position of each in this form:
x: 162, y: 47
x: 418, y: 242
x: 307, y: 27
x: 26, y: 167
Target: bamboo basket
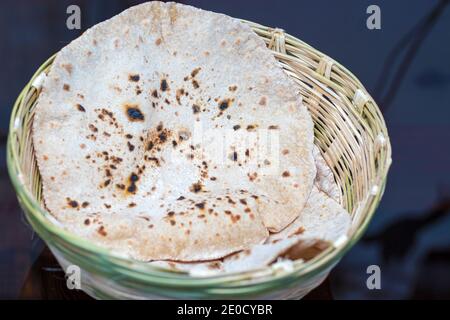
x: 349, y: 131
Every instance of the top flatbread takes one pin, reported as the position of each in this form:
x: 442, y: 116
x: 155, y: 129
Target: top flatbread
x: 169, y: 132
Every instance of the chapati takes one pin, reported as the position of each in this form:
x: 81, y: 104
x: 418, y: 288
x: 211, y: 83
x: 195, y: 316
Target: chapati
x: 169, y: 132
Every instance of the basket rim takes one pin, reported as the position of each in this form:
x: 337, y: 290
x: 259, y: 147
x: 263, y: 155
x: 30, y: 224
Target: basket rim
x: 264, y: 276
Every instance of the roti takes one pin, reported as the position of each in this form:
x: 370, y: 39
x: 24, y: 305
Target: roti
x: 322, y: 222
x: 322, y: 218
x: 324, y: 178
x: 255, y: 257
x: 169, y: 132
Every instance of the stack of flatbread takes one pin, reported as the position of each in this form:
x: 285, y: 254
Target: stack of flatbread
x: 172, y: 135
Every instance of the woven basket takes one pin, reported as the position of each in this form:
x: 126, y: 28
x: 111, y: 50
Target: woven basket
x: 349, y: 131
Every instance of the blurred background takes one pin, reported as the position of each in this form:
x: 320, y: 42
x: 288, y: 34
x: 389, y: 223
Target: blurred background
x: 405, y: 66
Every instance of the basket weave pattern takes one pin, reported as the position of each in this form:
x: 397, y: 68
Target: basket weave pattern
x: 349, y: 131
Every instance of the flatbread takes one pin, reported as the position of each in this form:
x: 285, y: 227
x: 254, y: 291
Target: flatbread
x: 322, y: 222
x: 324, y: 178
x: 321, y: 218
x: 256, y: 257
x: 132, y: 117
x: 194, y: 228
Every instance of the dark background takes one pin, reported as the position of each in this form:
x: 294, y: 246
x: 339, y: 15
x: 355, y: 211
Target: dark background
x: 405, y: 66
